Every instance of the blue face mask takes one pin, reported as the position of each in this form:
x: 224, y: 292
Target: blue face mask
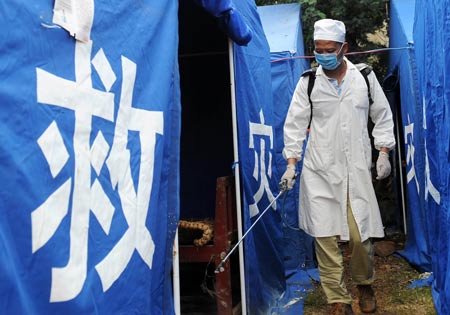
x: 328, y: 61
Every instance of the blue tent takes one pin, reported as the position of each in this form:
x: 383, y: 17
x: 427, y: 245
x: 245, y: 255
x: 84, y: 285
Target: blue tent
x: 254, y: 140
x: 90, y: 155
x: 431, y: 37
x: 90, y: 135
x: 283, y: 29
x: 256, y: 120
x: 91, y: 188
x: 410, y: 125
x: 422, y: 70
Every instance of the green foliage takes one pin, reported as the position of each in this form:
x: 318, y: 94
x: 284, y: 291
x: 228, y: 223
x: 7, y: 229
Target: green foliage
x: 310, y: 14
x: 361, y: 17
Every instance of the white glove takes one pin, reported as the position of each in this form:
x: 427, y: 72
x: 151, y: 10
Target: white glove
x: 288, y: 177
x: 383, y: 165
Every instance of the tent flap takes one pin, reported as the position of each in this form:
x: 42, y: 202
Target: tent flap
x: 432, y: 43
x: 423, y: 72
x: 88, y: 156
x: 264, y: 270
x: 229, y: 19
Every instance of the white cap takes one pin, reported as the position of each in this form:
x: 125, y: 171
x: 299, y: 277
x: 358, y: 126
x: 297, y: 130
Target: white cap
x: 328, y: 29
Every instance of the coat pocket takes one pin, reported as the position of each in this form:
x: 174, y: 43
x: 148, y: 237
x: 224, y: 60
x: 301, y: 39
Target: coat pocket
x: 317, y: 158
x: 363, y: 161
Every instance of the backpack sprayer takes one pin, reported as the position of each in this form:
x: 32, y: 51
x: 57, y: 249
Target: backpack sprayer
x: 283, y: 189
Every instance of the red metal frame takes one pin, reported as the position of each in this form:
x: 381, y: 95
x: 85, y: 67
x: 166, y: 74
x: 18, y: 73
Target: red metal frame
x: 224, y: 225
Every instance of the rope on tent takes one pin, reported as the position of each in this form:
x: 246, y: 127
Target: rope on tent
x: 349, y: 53
x: 205, y: 226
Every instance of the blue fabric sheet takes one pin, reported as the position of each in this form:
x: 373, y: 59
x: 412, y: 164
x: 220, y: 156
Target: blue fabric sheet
x: 229, y: 19
x: 422, y: 282
x: 432, y: 44
x: 404, y: 62
x: 264, y: 269
x: 88, y: 160
x: 283, y: 29
x: 425, y: 91
x: 298, y: 284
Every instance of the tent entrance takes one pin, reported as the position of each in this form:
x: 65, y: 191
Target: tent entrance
x: 206, y: 145
x: 206, y: 129
x: 394, y: 220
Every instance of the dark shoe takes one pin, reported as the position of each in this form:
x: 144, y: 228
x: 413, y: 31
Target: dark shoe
x: 367, y: 300
x: 341, y: 309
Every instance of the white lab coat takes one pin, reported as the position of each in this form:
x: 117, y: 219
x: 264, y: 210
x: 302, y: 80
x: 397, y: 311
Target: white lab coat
x: 338, y: 152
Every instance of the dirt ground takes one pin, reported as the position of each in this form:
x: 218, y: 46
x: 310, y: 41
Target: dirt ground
x: 393, y: 276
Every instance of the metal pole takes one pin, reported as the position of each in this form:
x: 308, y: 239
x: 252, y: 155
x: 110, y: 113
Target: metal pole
x: 237, y: 176
x: 399, y: 155
x: 176, y: 276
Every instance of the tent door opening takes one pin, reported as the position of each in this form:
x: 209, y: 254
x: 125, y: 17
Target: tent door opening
x: 395, y: 219
x: 206, y: 151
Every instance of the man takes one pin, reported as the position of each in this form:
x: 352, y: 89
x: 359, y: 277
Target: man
x: 337, y: 199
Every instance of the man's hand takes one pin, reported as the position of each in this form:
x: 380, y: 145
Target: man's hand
x: 383, y: 165
x: 288, y: 177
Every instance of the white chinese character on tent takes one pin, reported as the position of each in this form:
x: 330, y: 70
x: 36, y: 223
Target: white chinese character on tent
x: 87, y: 102
x: 409, y: 141
x: 263, y: 169
x: 429, y: 187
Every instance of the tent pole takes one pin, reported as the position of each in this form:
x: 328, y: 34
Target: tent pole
x: 400, y: 168
x: 237, y: 175
x: 176, y: 275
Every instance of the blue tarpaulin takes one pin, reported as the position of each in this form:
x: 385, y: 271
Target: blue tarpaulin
x: 229, y: 19
x: 424, y: 91
x: 403, y: 62
x: 90, y: 152
x: 283, y: 29
x: 88, y: 159
x: 264, y: 269
x: 432, y: 46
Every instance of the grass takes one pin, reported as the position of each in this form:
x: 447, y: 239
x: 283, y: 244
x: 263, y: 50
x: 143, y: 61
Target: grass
x: 393, y: 276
